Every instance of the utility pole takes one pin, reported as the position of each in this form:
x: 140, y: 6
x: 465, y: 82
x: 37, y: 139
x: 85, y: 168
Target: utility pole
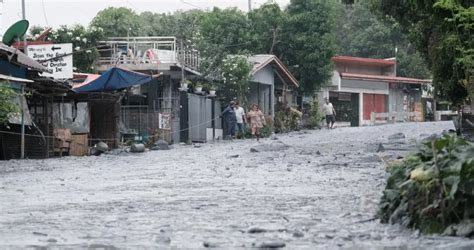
x: 250, y: 5
x: 396, y: 53
x: 1, y: 18
x: 22, y: 152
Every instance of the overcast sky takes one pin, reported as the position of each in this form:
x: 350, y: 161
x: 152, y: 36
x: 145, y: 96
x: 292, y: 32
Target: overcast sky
x: 53, y: 13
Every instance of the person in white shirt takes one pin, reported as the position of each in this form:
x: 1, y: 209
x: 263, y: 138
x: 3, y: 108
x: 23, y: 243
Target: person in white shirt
x: 330, y: 113
x: 240, y: 116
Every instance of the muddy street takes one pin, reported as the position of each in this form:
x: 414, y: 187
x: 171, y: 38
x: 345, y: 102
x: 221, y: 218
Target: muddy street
x: 315, y: 189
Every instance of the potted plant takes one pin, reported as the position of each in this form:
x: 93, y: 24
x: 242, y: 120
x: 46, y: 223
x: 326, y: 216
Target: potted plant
x: 185, y: 84
x: 212, y: 91
x: 198, y: 88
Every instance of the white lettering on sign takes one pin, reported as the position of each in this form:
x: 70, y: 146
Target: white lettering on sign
x: 56, y: 57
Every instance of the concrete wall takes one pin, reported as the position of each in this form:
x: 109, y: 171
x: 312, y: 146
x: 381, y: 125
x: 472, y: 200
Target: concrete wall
x: 360, y: 87
x: 261, y: 97
x: 335, y: 80
x: 264, y: 76
x: 400, y: 92
x: 365, y: 69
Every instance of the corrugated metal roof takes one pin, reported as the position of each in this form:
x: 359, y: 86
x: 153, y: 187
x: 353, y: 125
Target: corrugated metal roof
x: 21, y: 58
x: 14, y: 79
x: 394, y: 79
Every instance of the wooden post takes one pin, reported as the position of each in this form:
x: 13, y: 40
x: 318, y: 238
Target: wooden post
x: 22, y: 106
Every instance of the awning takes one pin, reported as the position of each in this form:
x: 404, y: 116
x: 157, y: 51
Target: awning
x: 115, y: 79
x: 379, y: 78
x: 22, y: 59
x: 88, y: 79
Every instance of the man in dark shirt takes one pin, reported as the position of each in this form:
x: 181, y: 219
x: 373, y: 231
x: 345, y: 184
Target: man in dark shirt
x: 230, y: 119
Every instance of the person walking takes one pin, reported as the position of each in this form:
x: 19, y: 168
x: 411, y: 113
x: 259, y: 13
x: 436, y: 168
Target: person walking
x: 330, y: 113
x: 230, y: 120
x: 257, y: 121
x: 240, y: 117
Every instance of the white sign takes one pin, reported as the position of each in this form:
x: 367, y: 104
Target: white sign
x: 56, y: 57
x: 427, y: 91
x: 164, y: 121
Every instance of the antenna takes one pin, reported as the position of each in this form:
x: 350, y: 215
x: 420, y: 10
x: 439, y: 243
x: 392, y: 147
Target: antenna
x: 16, y: 31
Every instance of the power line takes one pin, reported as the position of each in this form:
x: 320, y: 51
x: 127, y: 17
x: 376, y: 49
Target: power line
x: 190, y: 4
x: 44, y: 13
x: 133, y: 6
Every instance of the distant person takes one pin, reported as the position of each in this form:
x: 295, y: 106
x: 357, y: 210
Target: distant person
x: 257, y: 121
x: 230, y: 120
x: 240, y: 116
x: 330, y: 113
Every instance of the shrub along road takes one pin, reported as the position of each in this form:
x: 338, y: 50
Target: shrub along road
x: 309, y: 188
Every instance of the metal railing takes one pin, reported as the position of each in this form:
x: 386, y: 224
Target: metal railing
x: 392, y: 117
x: 147, y: 51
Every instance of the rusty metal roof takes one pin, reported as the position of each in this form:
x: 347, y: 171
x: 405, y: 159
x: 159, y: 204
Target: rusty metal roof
x: 363, y: 61
x: 18, y: 57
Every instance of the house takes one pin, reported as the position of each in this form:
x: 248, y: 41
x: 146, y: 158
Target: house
x: 160, y: 106
x: 272, y: 84
x: 362, y: 86
x: 20, y: 72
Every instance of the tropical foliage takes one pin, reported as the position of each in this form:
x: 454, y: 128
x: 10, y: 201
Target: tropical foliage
x: 7, y: 107
x: 432, y: 189
x: 360, y: 33
x: 303, y: 35
x: 441, y: 30
x: 236, y: 78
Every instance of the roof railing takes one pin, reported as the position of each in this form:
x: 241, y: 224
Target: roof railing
x: 147, y: 50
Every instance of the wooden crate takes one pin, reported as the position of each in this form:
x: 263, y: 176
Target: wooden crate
x: 79, y: 145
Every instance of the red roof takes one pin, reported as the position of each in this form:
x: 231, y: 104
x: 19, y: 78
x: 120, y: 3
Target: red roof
x: 364, y: 61
x: 384, y: 78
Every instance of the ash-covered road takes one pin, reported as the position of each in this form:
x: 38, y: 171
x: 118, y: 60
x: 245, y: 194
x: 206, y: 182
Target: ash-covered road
x: 321, y: 192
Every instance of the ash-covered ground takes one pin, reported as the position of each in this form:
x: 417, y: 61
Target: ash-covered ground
x: 308, y: 189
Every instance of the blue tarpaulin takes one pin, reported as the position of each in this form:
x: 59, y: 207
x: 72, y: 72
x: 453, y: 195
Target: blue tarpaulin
x: 114, y: 79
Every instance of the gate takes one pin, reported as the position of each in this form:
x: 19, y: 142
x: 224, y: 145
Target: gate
x: 201, y: 118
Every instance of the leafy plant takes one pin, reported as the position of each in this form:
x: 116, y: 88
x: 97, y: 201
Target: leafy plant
x: 315, y: 115
x: 236, y: 78
x: 287, y: 120
x: 433, y: 188
x: 7, y: 107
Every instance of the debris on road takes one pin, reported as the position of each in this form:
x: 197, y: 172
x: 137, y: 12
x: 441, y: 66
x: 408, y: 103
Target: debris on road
x: 271, y: 146
x: 160, y: 145
x: 137, y: 148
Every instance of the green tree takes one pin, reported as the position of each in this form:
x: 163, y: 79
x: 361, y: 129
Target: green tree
x: 117, y: 22
x: 360, y: 33
x: 236, y: 77
x: 310, y: 42
x: 441, y: 31
x: 221, y: 32
x: 266, y: 29
x: 181, y: 24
